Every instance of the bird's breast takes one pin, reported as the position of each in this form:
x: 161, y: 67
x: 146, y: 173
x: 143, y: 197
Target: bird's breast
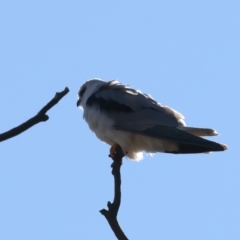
x: 99, y: 123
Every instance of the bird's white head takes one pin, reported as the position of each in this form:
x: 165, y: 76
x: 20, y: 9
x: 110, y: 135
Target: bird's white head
x: 87, y: 89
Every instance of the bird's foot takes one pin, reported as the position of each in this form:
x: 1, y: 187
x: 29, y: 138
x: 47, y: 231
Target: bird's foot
x: 116, y: 153
x: 113, y: 150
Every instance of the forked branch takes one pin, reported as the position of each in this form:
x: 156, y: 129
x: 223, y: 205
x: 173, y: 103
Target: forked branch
x: 41, y: 116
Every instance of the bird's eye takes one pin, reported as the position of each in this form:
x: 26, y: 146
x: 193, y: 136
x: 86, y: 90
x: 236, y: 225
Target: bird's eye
x: 82, y: 91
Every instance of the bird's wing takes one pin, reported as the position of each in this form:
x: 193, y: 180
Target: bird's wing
x: 136, y: 112
x: 131, y: 107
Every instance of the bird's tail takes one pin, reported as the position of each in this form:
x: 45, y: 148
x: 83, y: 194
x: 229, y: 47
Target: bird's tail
x: 207, y: 145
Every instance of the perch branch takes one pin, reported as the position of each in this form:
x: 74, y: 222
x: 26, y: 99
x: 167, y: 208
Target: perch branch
x: 41, y: 116
x: 111, y: 213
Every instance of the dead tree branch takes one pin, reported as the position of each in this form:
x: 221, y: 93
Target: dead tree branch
x: 111, y: 213
x: 41, y: 116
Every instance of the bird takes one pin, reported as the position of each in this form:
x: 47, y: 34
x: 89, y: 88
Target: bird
x: 122, y: 116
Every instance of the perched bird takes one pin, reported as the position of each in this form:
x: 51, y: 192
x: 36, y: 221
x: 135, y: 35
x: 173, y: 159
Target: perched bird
x: 121, y: 115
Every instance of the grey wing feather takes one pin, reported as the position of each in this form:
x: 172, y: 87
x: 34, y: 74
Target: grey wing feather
x: 146, y: 111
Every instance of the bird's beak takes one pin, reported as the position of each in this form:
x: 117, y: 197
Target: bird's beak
x: 78, y: 102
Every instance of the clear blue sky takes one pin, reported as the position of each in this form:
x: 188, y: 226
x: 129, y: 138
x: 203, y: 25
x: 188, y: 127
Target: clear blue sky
x: 55, y: 177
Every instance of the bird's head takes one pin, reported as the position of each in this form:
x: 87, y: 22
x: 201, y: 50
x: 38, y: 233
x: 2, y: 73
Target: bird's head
x: 87, y: 89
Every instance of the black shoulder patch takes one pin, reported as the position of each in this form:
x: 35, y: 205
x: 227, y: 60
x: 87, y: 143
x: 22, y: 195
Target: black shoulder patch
x: 108, y: 105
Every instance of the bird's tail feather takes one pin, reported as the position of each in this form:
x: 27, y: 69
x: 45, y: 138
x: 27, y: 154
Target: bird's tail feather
x: 199, y: 131
x: 190, y: 148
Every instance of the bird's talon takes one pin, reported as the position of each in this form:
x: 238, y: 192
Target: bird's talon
x: 113, y: 150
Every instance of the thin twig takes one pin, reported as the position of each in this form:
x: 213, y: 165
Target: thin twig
x: 111, y: 213
x: 40, y: 117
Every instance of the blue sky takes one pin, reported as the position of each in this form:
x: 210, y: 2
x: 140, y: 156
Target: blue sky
x: 55, y: 177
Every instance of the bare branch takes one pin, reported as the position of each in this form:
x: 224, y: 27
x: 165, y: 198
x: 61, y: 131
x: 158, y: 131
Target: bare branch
x: 40, y: 117
x: 111, y: 213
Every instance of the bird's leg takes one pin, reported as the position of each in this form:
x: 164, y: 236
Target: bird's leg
x: 113, y: 150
